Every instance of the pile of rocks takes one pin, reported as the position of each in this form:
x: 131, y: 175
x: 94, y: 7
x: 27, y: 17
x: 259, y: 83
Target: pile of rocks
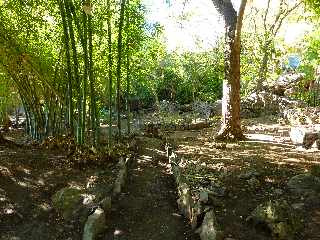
x: 89, y: 207
x: 276, y: 218
x: 308, y: 115
x: 287, y: 84
x: 169, y: 107
x: 267, y: 103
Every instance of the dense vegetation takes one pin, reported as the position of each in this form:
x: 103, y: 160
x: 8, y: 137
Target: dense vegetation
x: 72, y: 63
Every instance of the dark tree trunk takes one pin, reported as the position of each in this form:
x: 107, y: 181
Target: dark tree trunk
x: 231, y: 124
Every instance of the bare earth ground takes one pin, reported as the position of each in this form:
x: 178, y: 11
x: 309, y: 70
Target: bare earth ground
x: 29, y: 176
x: 147, y: 210
x: 268, y: 152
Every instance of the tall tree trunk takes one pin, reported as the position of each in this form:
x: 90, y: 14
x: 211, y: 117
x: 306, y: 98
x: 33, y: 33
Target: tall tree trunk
x: 85, y: 75
x: 128, y: 42
x: 93, y: 106
x: 121, y: 21
x: 69, y: 6
x: 68, y: 59
x: 110, y: 68
x: 231, y: 124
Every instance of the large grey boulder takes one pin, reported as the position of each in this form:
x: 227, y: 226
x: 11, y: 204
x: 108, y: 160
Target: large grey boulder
x: 67, y: 200
x: 304, y: 184
x: 210, y: 229
x: 95, y: 225
x: 287, y: 84
x: 303, y: 136
x: 277, y: 218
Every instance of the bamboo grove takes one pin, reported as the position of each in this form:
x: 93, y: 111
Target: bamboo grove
x: 70, y: 61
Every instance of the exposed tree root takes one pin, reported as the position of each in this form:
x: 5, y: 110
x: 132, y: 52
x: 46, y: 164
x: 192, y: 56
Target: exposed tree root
x: 228, y: 134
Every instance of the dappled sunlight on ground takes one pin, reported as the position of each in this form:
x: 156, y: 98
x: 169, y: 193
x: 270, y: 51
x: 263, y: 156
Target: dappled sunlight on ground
x: 268, y: 151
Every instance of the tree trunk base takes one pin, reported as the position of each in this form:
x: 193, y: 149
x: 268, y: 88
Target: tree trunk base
x: 227, y: 134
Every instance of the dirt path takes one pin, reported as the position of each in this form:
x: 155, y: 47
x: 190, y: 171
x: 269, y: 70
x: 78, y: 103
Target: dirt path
x: 147, y: 209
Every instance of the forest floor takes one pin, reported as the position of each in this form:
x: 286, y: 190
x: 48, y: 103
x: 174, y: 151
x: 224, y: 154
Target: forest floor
x: 147, y: 209
x: 267, y: 158
x: 29, y: 177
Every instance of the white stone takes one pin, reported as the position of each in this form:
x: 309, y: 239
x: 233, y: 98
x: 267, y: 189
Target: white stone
x: 204, y: 196
x: 95, y: 225
x: 210, y: 229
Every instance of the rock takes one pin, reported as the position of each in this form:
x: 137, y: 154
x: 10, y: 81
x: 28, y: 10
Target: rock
x: 306, y: 115
x: 203, y: 196
x: 303, y: 136
x: 287, y: 84
x: 210, y: 229
x: 304, y: 184
x: 67, y: 200
x: 309, y: 139
x: 197, y: 211
x: 167, y: 106
x: 276, y: 218
x: 95, y: 225
x: 185, y: 202
x: 266, y: 103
